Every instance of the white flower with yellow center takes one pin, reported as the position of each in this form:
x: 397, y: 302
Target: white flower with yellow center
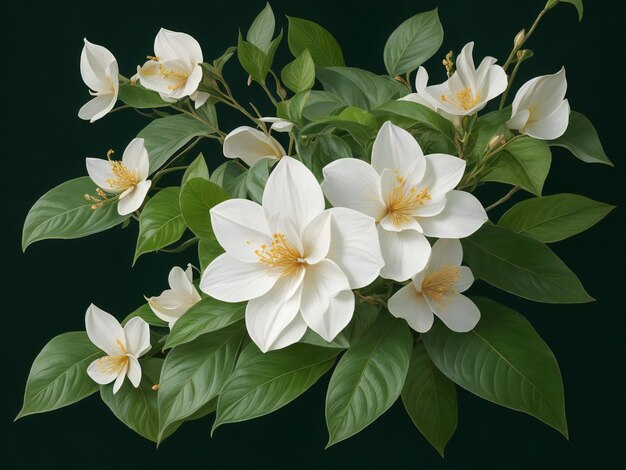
x: 467, y: 91
x: 128, y: 178
x: 411, y: 197
x: 539, y: 108
x: 436, y: 290
x: 180, y: 297
x: 99, y: 70
x: 251, y: 145
x: 174, y: 71
x: 123, y: 346
x: 292, y: 260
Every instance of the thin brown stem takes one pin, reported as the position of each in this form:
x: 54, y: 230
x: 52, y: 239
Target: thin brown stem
x: 503, y: 199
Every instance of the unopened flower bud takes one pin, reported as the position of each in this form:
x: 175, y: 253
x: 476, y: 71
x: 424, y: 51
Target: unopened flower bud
x: 495, y: 140
x: 519, y: 38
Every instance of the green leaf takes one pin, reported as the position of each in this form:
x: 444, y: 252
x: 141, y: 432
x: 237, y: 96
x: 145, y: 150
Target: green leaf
x: 319, y: 152
x: 206, y: 316
x: 320, y: 104
x: 197, y: 197
x: 63, y: 212
x: 255, y: 61
x: 359, y: 88
x: 197, y: 169
x: 256, y: 177
x: 195, y: 372
x: 264, y: 382
x: 582, y: 140
x: 553, y: 218
x: 230, y: 176
x: 524, y: 162
x: 137, y: 407
x: 522, y: 266
x: 160, y: 222
x: 165, y: 136
x: 305, y: 34
x: 413, y: 42
x: 145, y: 312
x: 299, y: 75
x: 487, y: 127
x: 58, y: 376
x: 358, y: 115
x: 208, y: 250
x: 502, y: 360
x: 262, y: 29
x: 138, y: 97
x: 311, y: 337
x: 368, y: 379
x: 429, y: 398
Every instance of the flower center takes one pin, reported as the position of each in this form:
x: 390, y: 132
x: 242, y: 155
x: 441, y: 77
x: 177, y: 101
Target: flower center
x: 112, y: 364
x: 402, y: 202
x: 440, y: 284
x: 123, y: 177
x: 463, y: 99
x: 178, y: 77
x: 280, y: 255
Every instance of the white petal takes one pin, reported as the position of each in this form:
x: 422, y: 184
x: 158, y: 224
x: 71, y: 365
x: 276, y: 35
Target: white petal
x: 231, y: 280
x: 135, y: 158
x: 462, y: 216
x: 137, y: 333
x: 292, y: 191
x: 278, y: 124
x: 329, y: 323
x: 396, y: 149
x: 134, y: 371
x: 465, y: 68
x: 105, y: 331
x: 518, y: 119
x: 542, y: 95
x: 443, y: 173
x: 458, y: 312
x: 354, y: 246
x: 133, y: 200
x: 97, y: 107
x: 240, y: 226
x: 316, y: 238
x: 353, y: 183
x: 151, y: 78
x: 552, y: 126
x: 192, y: 83
x: 393, y: 225
x: 170, y: 45
x: 430, y: 207
x: 101, y: 374
x: 100, y: 171
x: 251, y: 145
x: 200, y: 97
x: 120, y: 379
x: 179, y: 280
x: 95, y: 62
x: 445, y: 252
x: 291, y: 334
x: 405, y: 253
x: 466, y: 279
x: 494, y: 85
x: 407, y: 303
x: 390, y: 184
x: 169, y: 306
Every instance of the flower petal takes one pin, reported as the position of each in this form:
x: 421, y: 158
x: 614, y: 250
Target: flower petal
x: 231, y: 280
x: 120, y: 378
x: 133, y: 200
x: 105, y: 331
x: 100, y: 171
x: 278, y: 124
x: 101, y: 374
x: 445, y: 252
x: 354, y: 246
x: 552, y: 126
x: 135, y: 158
x: 291, y: 334
x: 458, y: 312
x: 200, y: 97
x: 405, y: 253
x: 179, y: 280
x: 462, y: 216
x: 170, y: 45
x: 169, y: 306
x: 97, y: 107
x: 137, y: 333
x: 95, y: 62
x: 466, y: 279
x: 316, y: 238
x: 134, y: 371
x: 443, y: 173
x: 251, y: 145
x: 353, y: 183
x: 396, y: 149
x: 518, y: 119
x: 330, y: 322
x: 407, y: 303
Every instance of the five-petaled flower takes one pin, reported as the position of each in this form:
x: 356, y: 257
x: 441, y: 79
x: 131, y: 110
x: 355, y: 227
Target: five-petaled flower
x: 437, y: 290
x: 99, y: 70
x: 180, y: 297
x: 411, y: 197
x: 251, y: 145
x: 294, y: 261
x: 128, y: 178
x: 123, y: 346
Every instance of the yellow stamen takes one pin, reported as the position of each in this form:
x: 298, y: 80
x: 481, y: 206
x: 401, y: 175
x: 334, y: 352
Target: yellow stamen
x: 124, y: 177
x: 179, y: 77
x: 402, y: 202
x: 439, y: 285
x: 112, y: 364
x: 463, y: 99
x: 280, y: 255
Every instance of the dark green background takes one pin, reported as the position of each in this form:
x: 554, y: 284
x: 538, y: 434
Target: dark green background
x: 46, y: 290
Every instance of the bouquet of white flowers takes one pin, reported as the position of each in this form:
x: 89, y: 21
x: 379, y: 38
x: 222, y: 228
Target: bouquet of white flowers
x: 341, y: 234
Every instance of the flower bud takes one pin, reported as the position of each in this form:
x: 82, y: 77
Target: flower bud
x: 520, y: 38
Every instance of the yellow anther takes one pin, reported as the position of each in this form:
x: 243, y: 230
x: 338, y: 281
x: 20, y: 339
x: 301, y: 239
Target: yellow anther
x: 402, y: 202
x: 280, y: 255
x: 440, y: 285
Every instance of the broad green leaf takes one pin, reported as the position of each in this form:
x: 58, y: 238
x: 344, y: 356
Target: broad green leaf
x: 160, y: 222
x: 197, y: 197
x: 429, y: 398
x: 206, y: 316
x: 524, y: 162
x: 553, y: 218
x: 262, y: 29
x: 487, y: 127
x: 320, y: 104
x: 195, y: 372
x: 323, y: 47
x: 359, y: 88
x: 208, y: 113
x: 502, y: 360
x: 63, y: 212
x: 413, y: 42
x: 197, y: 169
x: 255, y: 61
x: 292, y: 109
x: 319, y: 152
x: 264, y: 382
x: 137, y: 407
x: 208, y: 250
x: 165, y: 136
x: 299, y: 75
x: 365, y: 315
x: 311, y: 337
x: 58, y: 376
x: 368, y: 379
x: 146, y: 313
x: 257, y: 177
x: 358, y: 115
x: 582, y: 140
x: 138, y: 97
x: 232, y: 177
x: 522, y: 266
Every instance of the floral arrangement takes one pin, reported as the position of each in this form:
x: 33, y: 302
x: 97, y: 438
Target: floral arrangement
x: 342, y: 233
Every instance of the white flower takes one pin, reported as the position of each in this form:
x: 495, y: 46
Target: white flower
x: 539, y: 108
x: 278, y: 124
x: 437, y: 290
x: 410, y: 195
x: 122, y: 345
x: 251, y: 145
x: 180, y: 297
x: 295, y: 262
x: 469, y: 88
x: 175, y: 71
x: 99, y: 70
x: 128, y: 177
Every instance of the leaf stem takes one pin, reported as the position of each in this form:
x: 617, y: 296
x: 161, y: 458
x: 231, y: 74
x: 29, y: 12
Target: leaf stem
x: 268, y: 93
x: 518, y: 46
x: 182, y: 246
x: 511, y: 78
x: 503, y: 199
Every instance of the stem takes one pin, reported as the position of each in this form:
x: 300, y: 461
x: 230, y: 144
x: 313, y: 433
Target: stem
x: 182, y: 246
x: 166, y: 169
x: 371, y: 299
x: 279, y: 86
x: 268, y: 93
x: 517, y: 47
x: 124, y: 106
x: 475, y: 173
x: 511, y: 78
x: 198, y: 118
x: 503, y: 199
x: 230, y: 100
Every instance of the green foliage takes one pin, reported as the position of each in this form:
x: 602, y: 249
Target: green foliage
x: 256, y: 177
x: 197, y: 169
x: 208, y: 250
x: 197, y: 198
x: 262, y: 29
x: 323, y: 47
x: 136, y: 96
x: 582, y: 140
x: 146, y: 313
x: 299, y: 75
x: 255, y: 61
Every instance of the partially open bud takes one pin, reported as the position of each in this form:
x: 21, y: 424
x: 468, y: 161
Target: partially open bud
x: 519, y: 38
x: 495, y: 140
